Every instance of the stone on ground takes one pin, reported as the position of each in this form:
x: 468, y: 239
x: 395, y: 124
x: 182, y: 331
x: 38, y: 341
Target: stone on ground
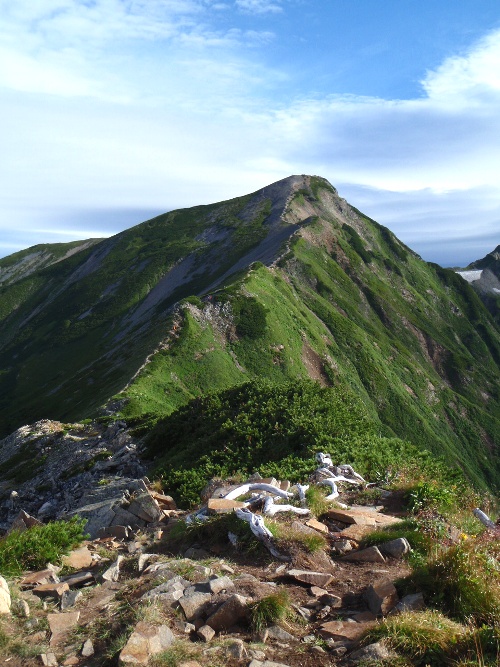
x: 145, y: 641
x: 5, y: 602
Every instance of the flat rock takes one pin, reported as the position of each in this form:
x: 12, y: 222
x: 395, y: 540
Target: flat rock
x: 381, y: 596
x: 236, y: 649
x: 352, y: 516
x: 78, y: 558
x: 266, y: 663
x: 229, y: 613
x: 368, y: 555
x: 51, y: 590
x: 118, y: 531
x: 48, y: 659
x: 317, y: 525
x: 38, y: 578
x: 341, y: 631
x: 223, y: 505
x: 145, y: 641
x: 78, y: 579
x: 320, y: 579
x: 61, y: 625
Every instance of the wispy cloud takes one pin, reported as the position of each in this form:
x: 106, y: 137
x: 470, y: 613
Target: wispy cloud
x: 260, y: 6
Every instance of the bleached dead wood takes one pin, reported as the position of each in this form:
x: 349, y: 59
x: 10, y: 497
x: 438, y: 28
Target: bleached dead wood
x: 485, y: 519
x: 261, y: 532
x: 270, y: 508
x: 257, y: 486
x: 301, y: 490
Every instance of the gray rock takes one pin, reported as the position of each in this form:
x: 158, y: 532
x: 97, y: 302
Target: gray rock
x: 48, y: 659
x: 319, y: 579
x: 175, y: 586
x: 69, y: 599
x: 395, y: 548
x: 195, y: 605
x: 205, y: 633
x: 229, y: 613
x: 413, y: 602
x: 220, y: 584
x: 275, y: 632
x: 87, y: 648
x: 113, y: 572
x: 371, y: 654
x: 236, y: 649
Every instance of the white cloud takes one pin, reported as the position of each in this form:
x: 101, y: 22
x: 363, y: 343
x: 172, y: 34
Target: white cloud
x: 259, y: 6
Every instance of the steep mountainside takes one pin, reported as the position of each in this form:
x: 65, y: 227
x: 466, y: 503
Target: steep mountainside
x: 484, y: 276
x: 294, y: 283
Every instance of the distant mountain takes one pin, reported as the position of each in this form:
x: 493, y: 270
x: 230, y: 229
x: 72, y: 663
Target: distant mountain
x: 288, y: 282
x: 484, y: 276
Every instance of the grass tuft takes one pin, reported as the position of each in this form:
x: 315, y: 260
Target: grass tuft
x: 270, y: 610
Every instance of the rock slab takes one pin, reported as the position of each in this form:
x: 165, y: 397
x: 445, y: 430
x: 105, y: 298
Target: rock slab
x: 145, y: 641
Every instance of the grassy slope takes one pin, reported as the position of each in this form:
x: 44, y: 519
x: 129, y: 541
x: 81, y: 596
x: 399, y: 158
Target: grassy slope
x: 348, y: 304
x: 400, y: 333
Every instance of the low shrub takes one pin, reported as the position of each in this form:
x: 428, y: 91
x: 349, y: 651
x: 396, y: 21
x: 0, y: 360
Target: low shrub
x: 33, y: 548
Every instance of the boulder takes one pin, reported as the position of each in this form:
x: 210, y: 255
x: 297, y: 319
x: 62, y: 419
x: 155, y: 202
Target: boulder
x: 195, y: 605
x: 144, y: 642
x: 275, y: 632
x: 205, y: 633
x: 38, y: 578
x: 395, y: 548
x: 165, y: 502
x: 229, y: 613
x: 5, y: 602
x: 23, y: 521
x: 219, y: 584
x: 381, y: 597
x: 145, y: 507
x: 87, y: 648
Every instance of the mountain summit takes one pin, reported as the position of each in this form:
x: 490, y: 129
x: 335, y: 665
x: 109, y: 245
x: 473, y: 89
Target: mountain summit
x: 288, y: 282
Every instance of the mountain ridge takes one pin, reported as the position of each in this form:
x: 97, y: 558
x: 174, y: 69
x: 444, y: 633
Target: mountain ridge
x: 286, y: 283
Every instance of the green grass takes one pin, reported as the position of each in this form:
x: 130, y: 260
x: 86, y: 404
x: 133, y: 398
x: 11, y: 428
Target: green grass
x: 32, y: 549
x: 270, y: 610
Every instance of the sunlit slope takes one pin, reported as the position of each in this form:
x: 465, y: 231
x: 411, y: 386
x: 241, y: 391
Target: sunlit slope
x: 291, y: 282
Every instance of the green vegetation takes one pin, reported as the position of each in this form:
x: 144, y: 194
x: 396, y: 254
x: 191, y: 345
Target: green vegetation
x: 347, y: 305
x: 39, y: 545
x: 463, y: 581
x: 270, y: 610
x: 275, y: 429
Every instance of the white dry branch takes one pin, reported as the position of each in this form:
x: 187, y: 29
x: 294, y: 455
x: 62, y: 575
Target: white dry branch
x: 301, y: 490
x: 261, y: 532
x: 270, y: 508
x: 485, y: 519
x: 257, y: 486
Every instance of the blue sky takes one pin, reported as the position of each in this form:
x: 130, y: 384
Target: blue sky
x: 112, y: 111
